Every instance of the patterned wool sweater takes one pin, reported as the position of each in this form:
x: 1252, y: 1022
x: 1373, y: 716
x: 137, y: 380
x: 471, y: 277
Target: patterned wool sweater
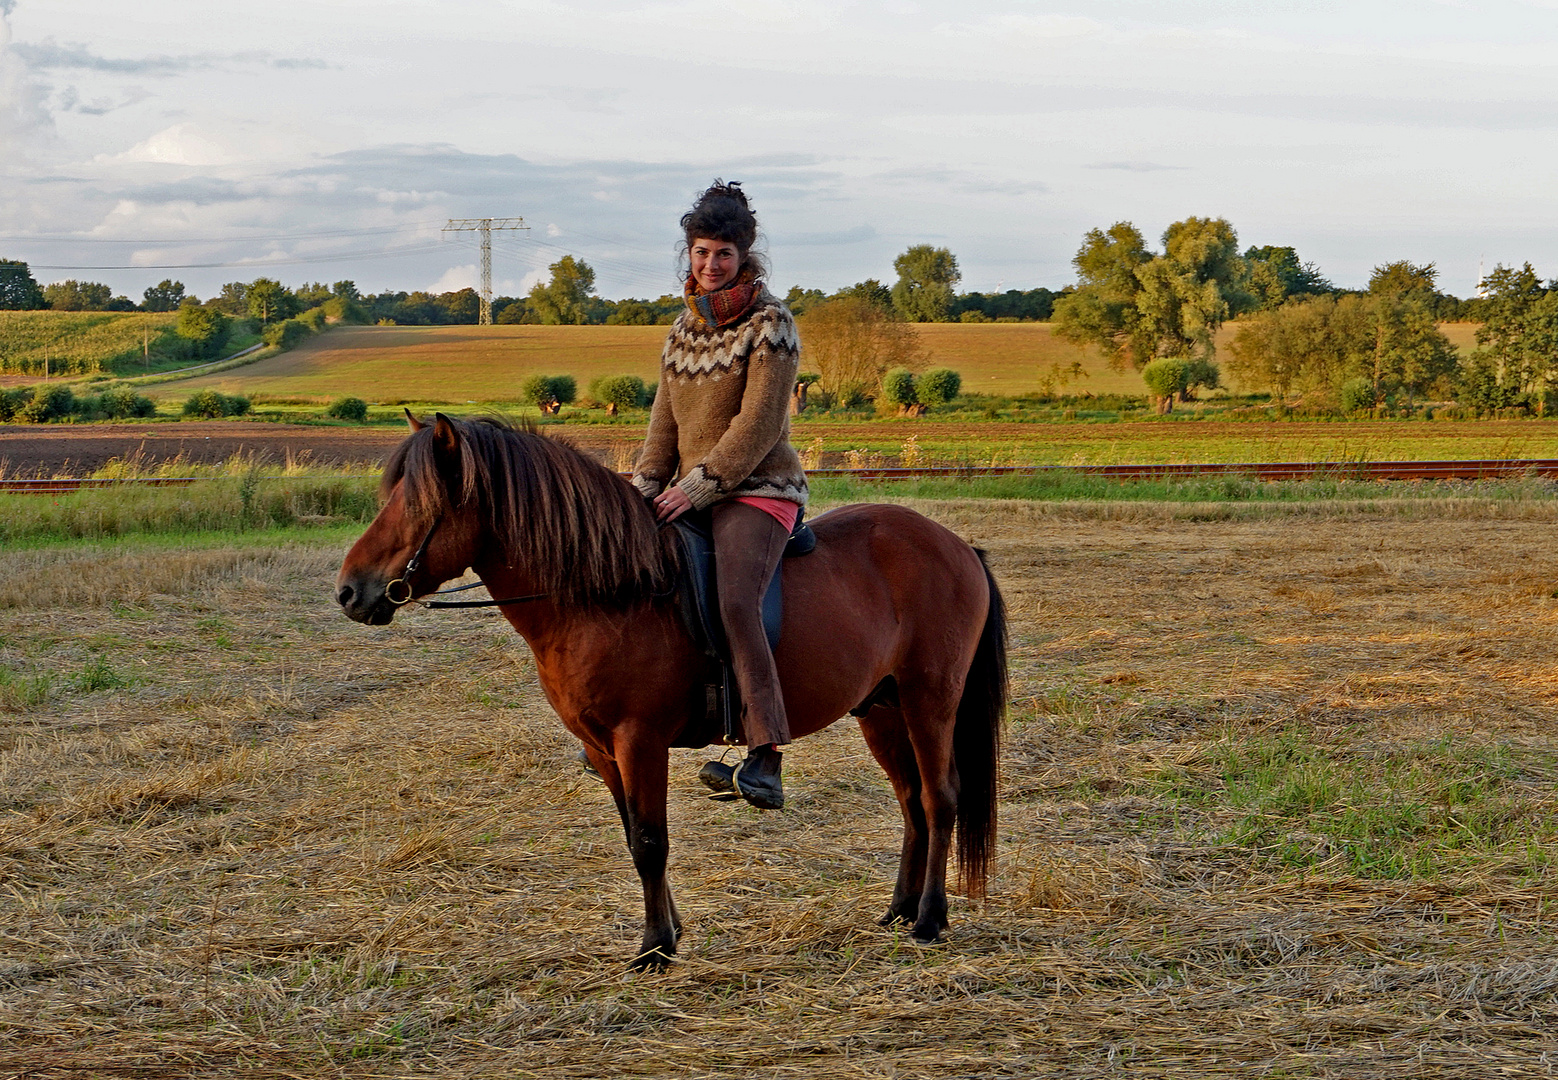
x: 720, y: 425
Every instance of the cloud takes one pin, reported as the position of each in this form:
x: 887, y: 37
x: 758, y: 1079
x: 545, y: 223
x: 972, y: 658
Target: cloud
x: 181, y: 144
x: 51, y: 55
x: 1134, y: 166
x: 854, y: 235
x: 456, y: 278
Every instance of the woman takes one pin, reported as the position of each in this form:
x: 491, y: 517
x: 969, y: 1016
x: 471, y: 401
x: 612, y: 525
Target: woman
x: 719, y: 438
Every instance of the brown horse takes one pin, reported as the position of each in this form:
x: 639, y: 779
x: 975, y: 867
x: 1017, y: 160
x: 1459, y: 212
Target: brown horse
x: 892, y: 617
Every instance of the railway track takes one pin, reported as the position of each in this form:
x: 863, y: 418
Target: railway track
x: 1489, y: 469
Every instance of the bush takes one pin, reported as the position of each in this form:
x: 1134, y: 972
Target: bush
x: 344, y: 309
x: 213, y: 403
x: 123, y: 403
x: 1166, y: 377
x: 313, y: 318
x: 939, y: 385
x: 286, y: 335
x: 542, y: 390
x: 13, y: 401
x: 1201, y: 373
x: 623, y: 391
x: 47, y: 403
x: 348, y: 408
x: 898, y: 387
x: 1357, y: 395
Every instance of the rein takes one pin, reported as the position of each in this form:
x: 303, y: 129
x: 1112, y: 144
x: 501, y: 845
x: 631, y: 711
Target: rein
x: 415, y: 562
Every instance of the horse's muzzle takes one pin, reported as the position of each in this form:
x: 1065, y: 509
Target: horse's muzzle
x: 364, y: 602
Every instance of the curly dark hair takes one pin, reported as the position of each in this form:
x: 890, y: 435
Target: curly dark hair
x: 721, y: 212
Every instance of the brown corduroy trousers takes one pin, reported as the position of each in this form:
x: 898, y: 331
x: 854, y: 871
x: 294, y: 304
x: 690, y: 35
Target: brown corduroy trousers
x: 748, y: 545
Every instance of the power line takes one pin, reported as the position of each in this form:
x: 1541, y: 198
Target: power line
x: 485, y: 227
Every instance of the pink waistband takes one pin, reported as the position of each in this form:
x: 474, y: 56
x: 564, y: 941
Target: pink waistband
x: 781, y: 510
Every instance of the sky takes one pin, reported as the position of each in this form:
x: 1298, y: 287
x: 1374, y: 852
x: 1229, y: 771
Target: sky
x: 333, y: 139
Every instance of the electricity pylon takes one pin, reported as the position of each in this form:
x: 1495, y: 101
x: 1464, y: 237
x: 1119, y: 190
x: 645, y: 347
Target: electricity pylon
x: 485, y: 226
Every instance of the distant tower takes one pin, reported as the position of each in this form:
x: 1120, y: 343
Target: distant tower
x: 485, y: 226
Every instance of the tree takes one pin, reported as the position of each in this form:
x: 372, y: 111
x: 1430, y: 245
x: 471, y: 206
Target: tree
x: 166, y: 295
x: 631, y: 313
x: 1136, y: 306
x: 18, y: 290
x: 1196, y: 285
x: 346, y: 290
x: 927, y: 283
x: 269, y: 300
x: 1403, y: 279
x: 233, y: 299
x: 564, y: 301
x: 462, y: 307
x: 312, y: 294
x: 73, y: 295
x: 1410, y: 352
x: 1276, y: 275
x: 1102, y: 310
x: 870, y: 290
x: 1518, y: 357
x: 800, y: 300
x: 205, y: 328
x: 852, y: 342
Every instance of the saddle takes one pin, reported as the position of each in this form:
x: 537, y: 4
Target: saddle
x: 697, y: 599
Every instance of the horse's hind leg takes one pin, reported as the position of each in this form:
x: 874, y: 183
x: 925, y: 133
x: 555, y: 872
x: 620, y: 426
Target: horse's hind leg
x: 930, y: 711
x: 888, y: 740
x: 640, y: 769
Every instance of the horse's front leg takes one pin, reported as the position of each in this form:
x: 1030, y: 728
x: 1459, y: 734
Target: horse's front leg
x: 642, y: 764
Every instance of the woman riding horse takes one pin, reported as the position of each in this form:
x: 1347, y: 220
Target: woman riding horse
x: 719, y: 439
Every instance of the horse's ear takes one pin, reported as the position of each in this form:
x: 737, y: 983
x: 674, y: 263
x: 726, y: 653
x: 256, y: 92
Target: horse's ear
x: 446, y: 441
x: 411, y: 418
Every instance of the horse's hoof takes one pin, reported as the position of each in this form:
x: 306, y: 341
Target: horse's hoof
x: 656, y: 959
x: 925, y: 935
x: 893, y: 918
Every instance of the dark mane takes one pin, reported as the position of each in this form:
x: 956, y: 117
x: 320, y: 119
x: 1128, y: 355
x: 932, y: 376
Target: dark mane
x: 583, y: 531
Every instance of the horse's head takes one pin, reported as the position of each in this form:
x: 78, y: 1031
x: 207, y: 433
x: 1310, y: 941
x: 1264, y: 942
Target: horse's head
x: 425, y: 534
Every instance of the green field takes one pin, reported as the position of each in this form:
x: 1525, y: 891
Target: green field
x: 76, y: 342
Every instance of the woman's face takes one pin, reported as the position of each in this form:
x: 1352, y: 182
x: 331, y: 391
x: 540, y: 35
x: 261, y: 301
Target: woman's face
x: 715, y: 263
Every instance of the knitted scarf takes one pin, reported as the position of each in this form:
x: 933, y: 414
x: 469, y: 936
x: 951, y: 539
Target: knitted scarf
x: 723, y: 306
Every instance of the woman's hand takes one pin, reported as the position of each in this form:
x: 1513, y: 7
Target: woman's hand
x: 672, y: 503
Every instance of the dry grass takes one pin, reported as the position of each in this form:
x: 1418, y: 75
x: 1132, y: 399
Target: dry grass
x: 240, y: 836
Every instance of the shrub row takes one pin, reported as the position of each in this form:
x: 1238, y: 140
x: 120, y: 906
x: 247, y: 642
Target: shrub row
x: 212, y: 404
x: 53, y: 404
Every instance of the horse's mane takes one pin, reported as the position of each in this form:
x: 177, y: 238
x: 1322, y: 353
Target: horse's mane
x: 583, y: 532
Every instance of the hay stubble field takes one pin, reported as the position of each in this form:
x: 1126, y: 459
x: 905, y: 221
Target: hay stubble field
x: 1277, y: 801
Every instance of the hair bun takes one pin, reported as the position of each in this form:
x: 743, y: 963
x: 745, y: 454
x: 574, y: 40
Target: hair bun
x: 721, y: 212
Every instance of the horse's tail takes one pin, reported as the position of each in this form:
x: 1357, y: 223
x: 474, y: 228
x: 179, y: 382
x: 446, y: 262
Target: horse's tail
x: 976, y: 744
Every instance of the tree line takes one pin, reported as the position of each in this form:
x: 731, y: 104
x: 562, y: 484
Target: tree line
x: 925, y: 291
x: 1298, y: 335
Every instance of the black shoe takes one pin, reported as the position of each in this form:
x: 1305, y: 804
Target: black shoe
x: 755, y: 779
x: 716, y: 777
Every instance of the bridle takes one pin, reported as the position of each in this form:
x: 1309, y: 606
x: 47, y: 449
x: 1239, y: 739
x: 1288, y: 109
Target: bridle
x: 414, y: 564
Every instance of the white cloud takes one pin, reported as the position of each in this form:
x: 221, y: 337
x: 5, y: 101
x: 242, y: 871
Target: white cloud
x: 181, y: 144
x: 456, y: 278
